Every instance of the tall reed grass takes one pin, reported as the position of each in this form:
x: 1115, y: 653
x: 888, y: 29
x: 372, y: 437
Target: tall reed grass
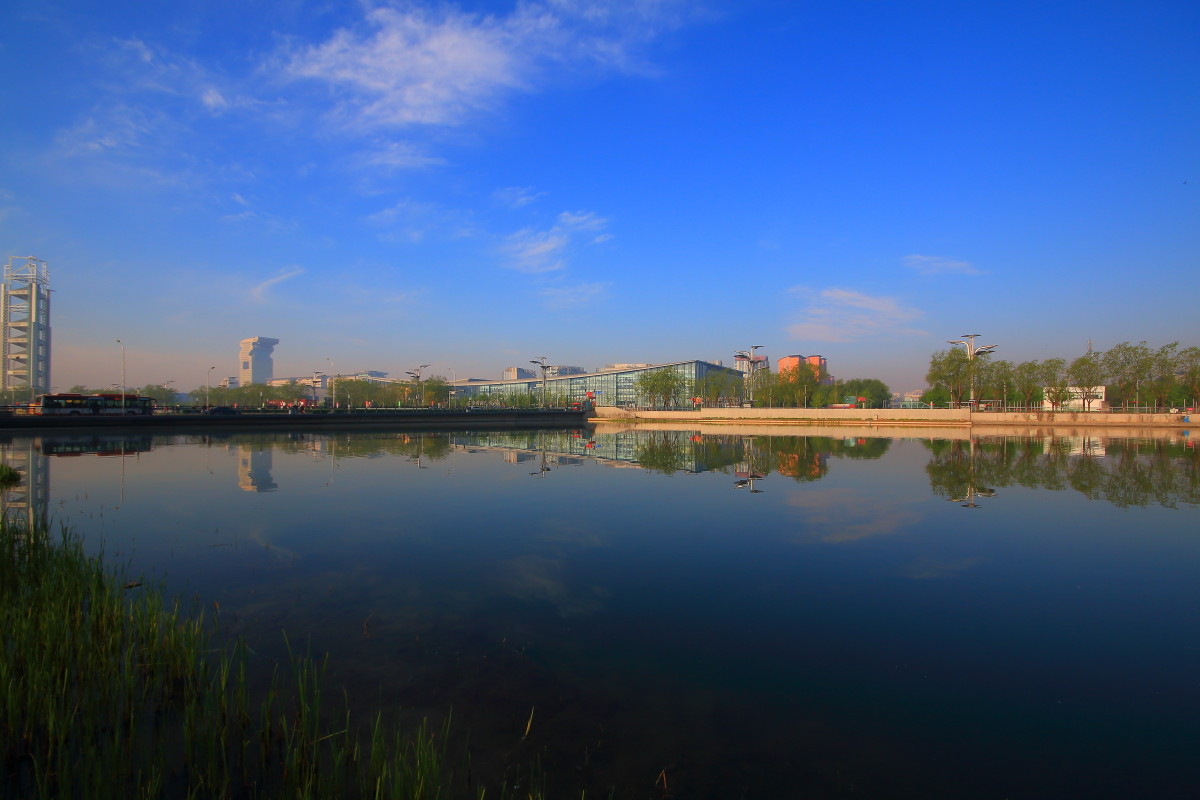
x: 108, y: 691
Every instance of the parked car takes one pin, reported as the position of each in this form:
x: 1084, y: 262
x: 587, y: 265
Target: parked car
x: 222, y: 411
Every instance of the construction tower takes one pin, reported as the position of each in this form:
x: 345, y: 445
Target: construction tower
x: 25, y: 328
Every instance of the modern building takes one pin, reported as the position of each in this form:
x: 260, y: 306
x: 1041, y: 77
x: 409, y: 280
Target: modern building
x: 618, y: 367
x: 610, y: 388
x: 518, y: 373
x: 255, y: 364
x: 748, y: 365
x: 817, y: 364
x: 25, y: 326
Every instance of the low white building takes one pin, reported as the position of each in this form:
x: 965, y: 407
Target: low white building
x: 1089, y: 399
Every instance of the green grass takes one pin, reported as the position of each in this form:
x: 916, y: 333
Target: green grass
x: 108, y: 691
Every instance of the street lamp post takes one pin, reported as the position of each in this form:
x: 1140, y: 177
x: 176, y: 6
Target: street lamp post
x: 749, y: 356
x: 122, y: 375
x: 332, y: 381
x: 968, y: 341
x: 451, y: 391
x: 415, y: 374
x: 208, y: 387
x: 541, y: 362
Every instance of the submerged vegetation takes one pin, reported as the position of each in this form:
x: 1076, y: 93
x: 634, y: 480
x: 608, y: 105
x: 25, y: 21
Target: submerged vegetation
x: 108, y: 691
x: 9, y: 476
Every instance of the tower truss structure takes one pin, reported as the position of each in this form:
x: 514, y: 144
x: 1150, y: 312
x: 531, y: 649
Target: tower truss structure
x: 25, y: 328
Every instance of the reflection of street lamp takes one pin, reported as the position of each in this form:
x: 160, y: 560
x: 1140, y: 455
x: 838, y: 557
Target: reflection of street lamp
x: 970, y: 495
x: 972, y: 352
x: 748, y: 483
x: 541, y: 362
x: 208, y: 386
x: 122, y: 375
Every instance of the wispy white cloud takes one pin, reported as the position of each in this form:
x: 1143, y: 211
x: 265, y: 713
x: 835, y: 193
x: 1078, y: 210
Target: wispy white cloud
x: 413, y: 221
x: 408, y: 65
x: 939, y: 265
x: 531, y: 250
x: 583, y: 294
x: 515, y: 197
x: 258, y: 293
x: 397, y: 155
x: 844, y: 315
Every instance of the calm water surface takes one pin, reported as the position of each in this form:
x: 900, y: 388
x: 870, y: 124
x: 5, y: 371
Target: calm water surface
x: 735, y: 615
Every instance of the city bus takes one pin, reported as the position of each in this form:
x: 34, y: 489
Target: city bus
x: 91, y: 404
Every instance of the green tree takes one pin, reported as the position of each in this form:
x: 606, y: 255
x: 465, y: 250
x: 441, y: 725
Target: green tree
x: 936, y: 397
x: 1127, y: 365
x: 876, y: 392
x: 1164, y: 366
x: 950, y: 370
x: 994, y: 380
x: 1087, y: 374
x: 1189, y: 373
x: 1028, y: 378
x: 1057, y: 387
x: 663, y: 386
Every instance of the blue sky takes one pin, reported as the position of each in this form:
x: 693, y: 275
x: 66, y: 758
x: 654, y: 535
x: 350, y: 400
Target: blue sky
x: 471, y: 185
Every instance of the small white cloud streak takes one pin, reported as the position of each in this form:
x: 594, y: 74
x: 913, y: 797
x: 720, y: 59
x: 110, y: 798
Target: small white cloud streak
x: 536, y: 251
x: 258, y: 293
x: 584, y: 294
x: 401, y: 155
x: 845, y: 315
x: 938, y: 265
x: 515, y: 197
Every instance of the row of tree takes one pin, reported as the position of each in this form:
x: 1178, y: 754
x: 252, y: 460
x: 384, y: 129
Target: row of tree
x: 793, y: 388
x: 1132, y: 374
x: 353, y: 393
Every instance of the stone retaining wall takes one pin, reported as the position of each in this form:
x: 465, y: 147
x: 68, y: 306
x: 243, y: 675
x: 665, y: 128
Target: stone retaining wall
x: 894, y: 416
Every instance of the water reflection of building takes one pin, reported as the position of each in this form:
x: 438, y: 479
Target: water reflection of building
x: 254, y: 469
x: 28, y: 501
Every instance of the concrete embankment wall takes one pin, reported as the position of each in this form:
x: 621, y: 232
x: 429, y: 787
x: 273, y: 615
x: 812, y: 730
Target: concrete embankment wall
x: 933, y: 417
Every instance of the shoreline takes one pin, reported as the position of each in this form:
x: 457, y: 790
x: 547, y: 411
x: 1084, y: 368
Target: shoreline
x: 895, y: 418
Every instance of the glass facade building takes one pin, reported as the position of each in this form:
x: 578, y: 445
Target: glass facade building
x: 610, y: 388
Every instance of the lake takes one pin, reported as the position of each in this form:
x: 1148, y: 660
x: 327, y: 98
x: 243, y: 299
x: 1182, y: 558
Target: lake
x: 697, y: 613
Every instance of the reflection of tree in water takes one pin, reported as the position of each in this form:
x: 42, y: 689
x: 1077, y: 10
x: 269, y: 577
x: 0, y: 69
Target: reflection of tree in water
x: 1130, y: 472
x: 806, y: 458
x: 662, y: 452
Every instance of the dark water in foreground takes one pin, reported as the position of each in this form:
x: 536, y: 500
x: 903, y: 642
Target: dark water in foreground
x: 735, y: 616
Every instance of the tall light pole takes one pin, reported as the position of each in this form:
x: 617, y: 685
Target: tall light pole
x: 122, y: 375
x: 415, y: 374
x: 968, y: 341
x: 332, y: 381
x: 749, y: 356
x: 541, y: 362
x: 451, y: 391
x: 207, y: 386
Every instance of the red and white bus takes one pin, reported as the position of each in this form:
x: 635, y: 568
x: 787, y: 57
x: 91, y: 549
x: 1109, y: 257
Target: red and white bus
x: 77, y: 405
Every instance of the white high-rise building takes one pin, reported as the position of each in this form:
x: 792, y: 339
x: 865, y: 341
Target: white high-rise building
x: 254, y: 360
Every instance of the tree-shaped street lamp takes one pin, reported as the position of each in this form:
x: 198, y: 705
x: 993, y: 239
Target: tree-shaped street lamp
x: 968, y: 341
